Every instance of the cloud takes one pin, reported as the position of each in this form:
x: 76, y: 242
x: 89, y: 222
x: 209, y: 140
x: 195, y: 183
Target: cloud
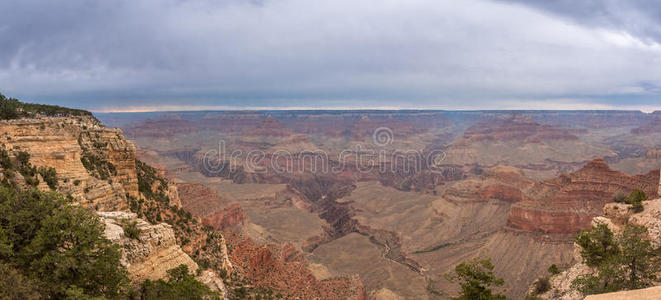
x: 339, y: 53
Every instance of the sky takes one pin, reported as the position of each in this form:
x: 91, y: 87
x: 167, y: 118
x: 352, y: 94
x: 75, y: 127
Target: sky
x: 142, y: 55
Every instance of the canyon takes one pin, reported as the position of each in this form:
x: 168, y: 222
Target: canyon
x: 342, y: 205
x: 291, y: 188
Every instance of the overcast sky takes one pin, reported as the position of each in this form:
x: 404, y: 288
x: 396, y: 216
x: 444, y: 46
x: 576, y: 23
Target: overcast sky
x: 442, y: 54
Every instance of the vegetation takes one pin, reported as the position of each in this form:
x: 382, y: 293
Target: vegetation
x: 147, y: 178
x: 131, y: 229
x: 541, y: 285
x: 49, y: 175
x: 57, y: 249
x: 93, y: 158
x: 21, y: 164
x: 476, y: 277
x: 180, y: 285
x: 553, y: 269
x: 636, y: 199
x: 11, y: 108
x: 623, y: 262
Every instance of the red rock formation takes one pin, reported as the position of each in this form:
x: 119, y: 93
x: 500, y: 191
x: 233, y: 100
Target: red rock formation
x: 502, y: 192
x: 226, y: 218
x: 517, y: 128
x: 205, y: 203
x: 566, y: 204
x: 278, y: 267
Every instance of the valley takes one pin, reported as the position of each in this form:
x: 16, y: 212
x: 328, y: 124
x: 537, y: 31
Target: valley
x: 323, y: 191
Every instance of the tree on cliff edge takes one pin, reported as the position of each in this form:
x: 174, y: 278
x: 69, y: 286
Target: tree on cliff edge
x: 625, y: 261
x: 57, y: 248
x: 476, y: 277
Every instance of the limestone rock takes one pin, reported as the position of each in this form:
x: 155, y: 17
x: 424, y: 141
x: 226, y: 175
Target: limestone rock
x: 652, y: 293
x: 58, y: 142
x: 153, y: 253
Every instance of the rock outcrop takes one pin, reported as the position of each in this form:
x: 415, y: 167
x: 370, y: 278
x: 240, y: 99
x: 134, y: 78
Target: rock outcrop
x: 652, y: 293
x: 153, y: 250
x: 94, y: 164
x: 97, y: 167
x: 281, y: 268
x: 568, y: 203
x: 616, y: 216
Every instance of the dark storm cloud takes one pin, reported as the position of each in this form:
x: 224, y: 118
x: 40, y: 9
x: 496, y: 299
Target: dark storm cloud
x: 323, y: 53
x: 641, y: 18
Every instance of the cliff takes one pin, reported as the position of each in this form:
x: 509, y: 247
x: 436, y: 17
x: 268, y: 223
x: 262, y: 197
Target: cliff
x: 94, y: 164
x: 616, y: 216
x: 568, y: 203
x: 97, y: 167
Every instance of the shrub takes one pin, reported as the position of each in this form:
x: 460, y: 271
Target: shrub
x: 11, y: 108
x: 76, y: 182
x: 475, y: 277
x: 553, y: 269
x: 180, y: 285
x: 597, y: 245
x: 541, y: 286
x: 629, y: 262
x: 131, y: 229
x: 636, y: 199
x: 14, y: 285
x: 58, y: 246
x: 49, y: 175
x: 23, y: 158
x: 5, y: 160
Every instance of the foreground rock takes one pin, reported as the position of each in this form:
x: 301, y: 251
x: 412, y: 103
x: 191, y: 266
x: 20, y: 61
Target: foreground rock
x: 652, y: 293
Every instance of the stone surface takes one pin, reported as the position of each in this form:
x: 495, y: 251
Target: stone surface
x: 58, y: 142
x: 568, y: 203
x: 652, y: 293
x: 153, y: 253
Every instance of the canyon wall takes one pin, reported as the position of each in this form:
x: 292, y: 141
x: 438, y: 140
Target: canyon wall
x: 96, y: 167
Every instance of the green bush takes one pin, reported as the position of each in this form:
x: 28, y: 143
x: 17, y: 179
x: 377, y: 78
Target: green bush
x: 11, y: 108
x: 180, y: 285
x: 13, y: 285
x: 541, y: 286
x: 597, y: 245
x: 5, y: 160
x: 636, y: 199
x: 476, y: 277
x: 23, y: 158
x: 623, y: 262
x: 131, y: 229
x: 553, y: 269
x: 49, y: 175
x: 57, y: 246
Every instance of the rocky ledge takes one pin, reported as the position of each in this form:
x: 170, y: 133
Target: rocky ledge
x: 151, y: 250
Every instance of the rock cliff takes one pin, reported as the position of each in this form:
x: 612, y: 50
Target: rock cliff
x: 568, y: 203
x: 97, y: 167
x: 616, y: 216
x: 94, y: 164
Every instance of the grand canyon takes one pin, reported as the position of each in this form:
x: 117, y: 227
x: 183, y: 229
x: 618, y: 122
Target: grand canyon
x: 300, y: 208
x: 330, y: 149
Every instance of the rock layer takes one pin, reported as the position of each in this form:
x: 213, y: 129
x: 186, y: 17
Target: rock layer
x: 568, y: 203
